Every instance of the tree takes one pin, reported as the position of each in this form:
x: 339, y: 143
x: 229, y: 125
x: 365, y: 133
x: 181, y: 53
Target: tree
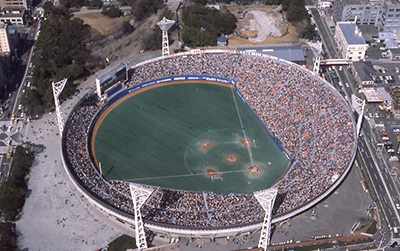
x: 13, y: 190
x: 296, y: 11
x: 11, y: 199
x: 80, y: 3
x: 141, y: 9
x: 153, y: 42
x: 60, y: 53
x: 8, y: 237
x: 309, y: 32
x: 203, y: 25
x: 32, y: 103
x: 111, y: 11
x: 127, y: 27
x: 196, y: 38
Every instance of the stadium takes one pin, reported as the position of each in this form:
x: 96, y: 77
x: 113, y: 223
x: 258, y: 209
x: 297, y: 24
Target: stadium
x: 204, y: 130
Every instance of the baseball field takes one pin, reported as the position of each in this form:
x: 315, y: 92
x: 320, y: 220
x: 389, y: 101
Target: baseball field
x: 192, y: 136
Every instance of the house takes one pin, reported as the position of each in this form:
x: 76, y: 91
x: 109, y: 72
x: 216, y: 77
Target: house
x: 364, y: 73
x: 394, y: 54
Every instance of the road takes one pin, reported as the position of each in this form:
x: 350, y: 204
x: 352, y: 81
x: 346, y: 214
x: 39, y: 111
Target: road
x: 325, y: 33
x: 385, y: 188
x: 13, y: 119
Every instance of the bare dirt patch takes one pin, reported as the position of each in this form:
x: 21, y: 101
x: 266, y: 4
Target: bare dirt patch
x: 261, y: 24
x: 101, y: 24
x: 107, y: 34
x: 130, y: 44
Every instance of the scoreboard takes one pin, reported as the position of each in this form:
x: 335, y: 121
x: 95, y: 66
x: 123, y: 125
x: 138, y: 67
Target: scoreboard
x: 111, y: 81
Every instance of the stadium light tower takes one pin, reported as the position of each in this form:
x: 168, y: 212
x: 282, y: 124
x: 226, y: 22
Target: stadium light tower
x: 317, y: 63
x: 164, y: 25
x: 139, y: 196
x: 359, y: 106
x: 58, y: 87
x: 266, y: 198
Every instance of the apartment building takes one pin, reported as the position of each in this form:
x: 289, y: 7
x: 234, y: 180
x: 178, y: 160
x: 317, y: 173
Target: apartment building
x: 13, y: 3
x: 383, y: 14
x: 15, y: 15
x: 391, y: 17
x: 351, y: 44
x: 364, y: 12
x: 5, y: 47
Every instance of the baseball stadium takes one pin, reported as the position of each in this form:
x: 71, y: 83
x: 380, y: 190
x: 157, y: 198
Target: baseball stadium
x: 203, y: 131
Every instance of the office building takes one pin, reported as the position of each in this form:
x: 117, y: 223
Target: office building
x: 351, y: 44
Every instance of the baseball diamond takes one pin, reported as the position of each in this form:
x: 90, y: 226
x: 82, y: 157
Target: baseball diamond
x: 194, y: 126
x: 204, y: 130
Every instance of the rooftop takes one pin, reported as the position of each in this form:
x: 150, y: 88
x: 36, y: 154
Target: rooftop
x: 12, y: 12
x: 372, y: 96
x: 111, y: 73
x: 385, y: 95
x: 355, y: 2
x: 395, y: 51
x: 290, y: 53
x: 365, y: 70
x: 393, y: 2
x: 351, y: 33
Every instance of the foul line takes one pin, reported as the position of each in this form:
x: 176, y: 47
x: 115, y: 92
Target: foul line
x: 182, y: 175
x: 241, y: 125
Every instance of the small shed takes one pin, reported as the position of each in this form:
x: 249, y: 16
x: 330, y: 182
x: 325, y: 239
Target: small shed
x: 222, y: 41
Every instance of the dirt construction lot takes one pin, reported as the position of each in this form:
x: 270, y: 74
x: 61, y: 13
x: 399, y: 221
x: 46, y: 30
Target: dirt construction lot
x: 261, y: 24
x: 105, y: 29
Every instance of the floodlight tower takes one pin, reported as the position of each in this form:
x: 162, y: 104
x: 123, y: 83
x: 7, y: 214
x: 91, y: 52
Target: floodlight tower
x: 164, y: 25
x: 139, y: 196
x: 317, y: 63
x: 359, y: 106
x: 266, y: 198
x: 57, y: 89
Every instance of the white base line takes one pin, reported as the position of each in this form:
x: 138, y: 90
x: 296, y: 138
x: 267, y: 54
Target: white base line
x: 241, y: 125
x: 182, y: 175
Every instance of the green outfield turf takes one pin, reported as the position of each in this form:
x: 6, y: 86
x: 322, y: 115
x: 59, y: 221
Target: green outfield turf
x: 170, y: 135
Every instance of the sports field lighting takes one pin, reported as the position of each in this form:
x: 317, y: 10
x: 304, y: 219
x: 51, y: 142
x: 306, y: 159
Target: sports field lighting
x: 266, y: 198
x: 164, y: 25
x: 57, y: 89
x: 139, y: 195
x: 359, y: 106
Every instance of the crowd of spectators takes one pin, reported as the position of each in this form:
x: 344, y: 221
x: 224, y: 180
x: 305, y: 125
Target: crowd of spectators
x: 311, y: 121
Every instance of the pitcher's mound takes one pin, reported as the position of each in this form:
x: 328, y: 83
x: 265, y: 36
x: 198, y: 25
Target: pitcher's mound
x: 206, y: 145
x: 231, y: 158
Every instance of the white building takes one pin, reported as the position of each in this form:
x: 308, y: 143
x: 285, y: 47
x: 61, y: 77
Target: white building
x: 324, y: 4
x: 383, y: 14
x: 5, y: 47
x: 366, y: 12
x: 351, y: 44
x: 391, y: 18
x: 15, y: 16
x: 13, y: 3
